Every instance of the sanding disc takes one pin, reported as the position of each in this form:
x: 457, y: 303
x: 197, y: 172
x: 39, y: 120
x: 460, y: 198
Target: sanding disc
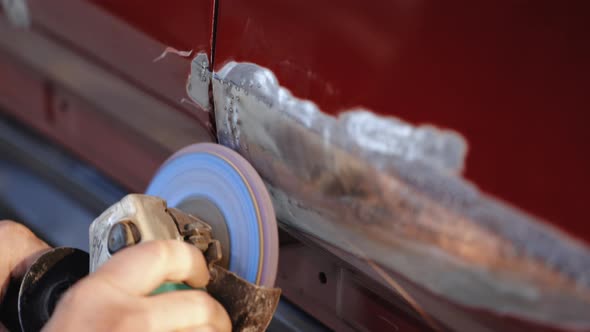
x: 214, y: 182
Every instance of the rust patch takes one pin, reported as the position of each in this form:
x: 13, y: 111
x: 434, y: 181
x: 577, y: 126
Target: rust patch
x: 250, y: 307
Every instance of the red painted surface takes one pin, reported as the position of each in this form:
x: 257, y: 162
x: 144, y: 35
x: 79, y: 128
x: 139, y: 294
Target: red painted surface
x: 126, y: 36
x: 183, y: 24
x: 124, y: 40
x: 344, y: 301
x: 513, y: 77
x: 70, y: 122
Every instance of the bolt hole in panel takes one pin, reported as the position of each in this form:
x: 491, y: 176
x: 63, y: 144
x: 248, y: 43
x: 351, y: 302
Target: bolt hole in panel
x: 348, y: 295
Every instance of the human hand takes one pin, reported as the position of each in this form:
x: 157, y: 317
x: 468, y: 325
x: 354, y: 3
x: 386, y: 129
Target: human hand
x: 116, y: 296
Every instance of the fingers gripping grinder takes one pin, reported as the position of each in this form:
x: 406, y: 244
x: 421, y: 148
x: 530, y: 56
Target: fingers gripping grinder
x: 206, y: 195
x: 211, y: 197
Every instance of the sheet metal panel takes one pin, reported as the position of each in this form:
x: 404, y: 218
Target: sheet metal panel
x: 512, y: 77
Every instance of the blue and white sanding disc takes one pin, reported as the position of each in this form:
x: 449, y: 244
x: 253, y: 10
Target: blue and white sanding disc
x: 220, y: 176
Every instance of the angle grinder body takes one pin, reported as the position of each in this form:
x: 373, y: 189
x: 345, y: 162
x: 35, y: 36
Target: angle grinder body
x: 140, y: 218
x: 206, y: 195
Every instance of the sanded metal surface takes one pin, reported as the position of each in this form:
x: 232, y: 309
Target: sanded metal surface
x: 511, y: 77
x: 408, y: 215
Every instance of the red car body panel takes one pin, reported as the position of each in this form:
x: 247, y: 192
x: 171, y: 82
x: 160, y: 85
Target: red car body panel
x: 125, y: 49
x: 128, y: 40
x: 511, y: 76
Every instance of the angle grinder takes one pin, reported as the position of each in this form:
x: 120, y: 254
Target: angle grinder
x: 206, y: 195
